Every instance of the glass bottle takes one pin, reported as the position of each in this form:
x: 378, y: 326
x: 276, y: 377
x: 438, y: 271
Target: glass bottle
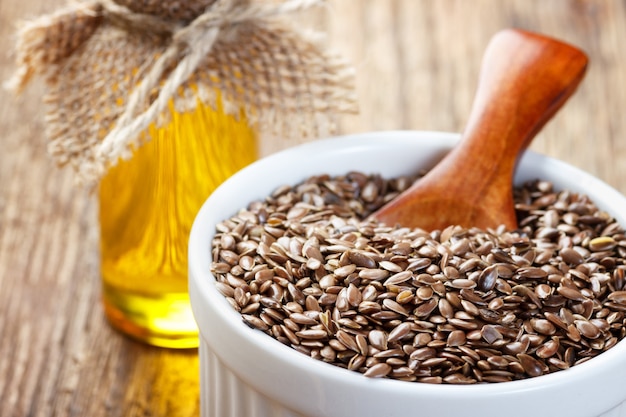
x: 146, y: 208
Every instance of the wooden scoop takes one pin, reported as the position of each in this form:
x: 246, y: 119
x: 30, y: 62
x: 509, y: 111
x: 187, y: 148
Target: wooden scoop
x: 525, y: 78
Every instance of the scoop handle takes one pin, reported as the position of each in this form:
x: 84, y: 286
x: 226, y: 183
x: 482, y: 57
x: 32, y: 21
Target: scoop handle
x: 525, y: 78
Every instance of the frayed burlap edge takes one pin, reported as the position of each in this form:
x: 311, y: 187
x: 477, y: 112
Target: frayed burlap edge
x: 284, y: 82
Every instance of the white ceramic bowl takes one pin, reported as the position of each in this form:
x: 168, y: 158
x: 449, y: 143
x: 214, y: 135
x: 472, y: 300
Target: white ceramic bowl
x: 245, y: 373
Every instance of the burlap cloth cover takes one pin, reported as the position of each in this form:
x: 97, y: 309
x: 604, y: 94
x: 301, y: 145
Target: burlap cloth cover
x: 112, y: 68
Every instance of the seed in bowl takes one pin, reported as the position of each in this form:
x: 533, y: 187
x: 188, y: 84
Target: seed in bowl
x: 454, y: 306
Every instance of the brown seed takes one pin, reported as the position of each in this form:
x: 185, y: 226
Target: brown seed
x: 327, y: 281
x: 311, y: 304
x: 220, y: 267
x: 378, y: 339
x: 618, y: 296
x: 557, y: 363
x: 425, y: 279
x: 556, y: 320
x: 276, y: 315
x: 400, y: 371
x: 423, y: 354
x: 264, y: 275
x: 496, y: 378
x: 353, y: 295
x: 295, y: 293
x: 312, y: 334
x: 458, y: 379
x: 270, y: 303
x: 398, y: 278
x: 399, y: 332
x: 427, y: 307
x: 418, y: 264
x: 395, y: 306
x: 619, y: 278
x: 229, y: 257
x: 291, y: 325
x: 369, y: 307
x: 496, y: 304
x: 327, y: 299
x: 328, y: 354
x: 389, y: 353
x: 337, y: 345
x: 469, y: 308
x: 531, y: 365
x: 487, y: 279
x: 370, y: 292
x: 543, y: 326
x: 463, y: 315
x: 390, y: 266
x: 488, y: 315
x: 378, y: 371
x: 431, y: 380
x: 433, y: 362
x: 490, y: 334
x: 456, y: 338
x: 544, y: 256
x: 361, y: 342
x: 451, y: 272
x: 225, y: 289
x: 345, y: 270
x: 356, y: 362
x: 543, y: 291
x: 587, y: 329
x: 569, y: 356
x: 250, y: 308
x: 373, y: 274
x: 347, y: 340
x: 463, y: 324
x: 313, y: 264
x: 548, y: 349
x: 302, y: 319
x: 570, y: 293
x: 385, y: 315
x: 472, y: 296
x: 445, y: 308
x: 439, y: 288
x: 462, y: 283
x: 460, y: 247
x: 571, y: 256
x: 573, y: 333
x: 361, y: 259
x: 422, y: 339
x: 601, y: 324
x: 497, y: 361
x: 246, y: 262
x: 255, y: 322
x: 532, y: 273
x: 517, y: 347
x: 290, y: 335
x: 529, y: 293
x: 454, y: 299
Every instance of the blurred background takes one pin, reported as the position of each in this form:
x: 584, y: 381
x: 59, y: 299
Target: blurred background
x: 416, y: 63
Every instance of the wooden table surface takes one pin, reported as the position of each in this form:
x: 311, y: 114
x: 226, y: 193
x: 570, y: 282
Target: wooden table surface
x: 416, y: 62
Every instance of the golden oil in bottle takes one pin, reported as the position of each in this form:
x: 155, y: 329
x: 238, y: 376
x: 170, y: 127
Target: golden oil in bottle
x: 147, y: 206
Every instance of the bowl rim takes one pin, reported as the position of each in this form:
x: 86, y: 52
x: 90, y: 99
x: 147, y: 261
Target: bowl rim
x: 203, y: 291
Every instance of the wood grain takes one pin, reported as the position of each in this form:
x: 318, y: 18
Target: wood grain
x: 416, y: 62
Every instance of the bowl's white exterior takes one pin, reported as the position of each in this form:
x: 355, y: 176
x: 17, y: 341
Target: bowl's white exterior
x: 245, y: 373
